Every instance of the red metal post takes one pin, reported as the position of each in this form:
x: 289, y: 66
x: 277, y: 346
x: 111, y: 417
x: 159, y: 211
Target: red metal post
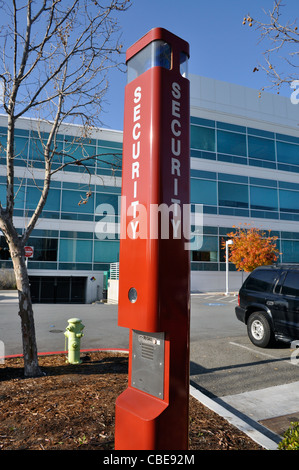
x: 154, y: 265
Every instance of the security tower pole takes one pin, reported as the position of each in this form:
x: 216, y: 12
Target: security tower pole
x: 154, y: 265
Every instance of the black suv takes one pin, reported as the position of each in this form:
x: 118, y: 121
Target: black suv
x: 268, y: 304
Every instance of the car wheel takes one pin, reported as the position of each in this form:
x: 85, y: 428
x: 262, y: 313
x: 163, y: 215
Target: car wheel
x: 259, y: 330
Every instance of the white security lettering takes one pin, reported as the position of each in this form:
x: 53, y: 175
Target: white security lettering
x: 136, y: 149
x: 175, y: 124
x: 175, y: 127
x: 135, y: 170
x: 176, y: 147
x: 136, y: 135
x: 136, y: 112
x: 137, y: 94
x: 134, y: 204
x: 176, y: 108
x: 176, y: 90
x: 175, y: 167
x: 134, y: 225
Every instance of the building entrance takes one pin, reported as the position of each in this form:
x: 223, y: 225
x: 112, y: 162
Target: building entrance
x: 58, y: 289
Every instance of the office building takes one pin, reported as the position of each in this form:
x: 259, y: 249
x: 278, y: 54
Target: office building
x: 244, y: 169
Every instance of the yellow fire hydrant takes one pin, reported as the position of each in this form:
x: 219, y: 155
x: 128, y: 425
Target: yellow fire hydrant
x: 74, y: 334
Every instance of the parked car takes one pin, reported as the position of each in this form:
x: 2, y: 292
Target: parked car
x: 268, y: 303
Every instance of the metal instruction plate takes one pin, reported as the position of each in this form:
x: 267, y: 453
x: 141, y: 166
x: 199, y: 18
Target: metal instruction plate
x: 148, y: 362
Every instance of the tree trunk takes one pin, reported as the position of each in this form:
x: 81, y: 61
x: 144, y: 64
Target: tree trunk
x: 31, y: 367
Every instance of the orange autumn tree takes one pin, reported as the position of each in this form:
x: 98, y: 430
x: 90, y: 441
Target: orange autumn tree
x: 251, y: 248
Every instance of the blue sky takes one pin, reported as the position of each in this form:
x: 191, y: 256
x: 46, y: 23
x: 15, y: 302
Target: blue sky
x: 220, y: 46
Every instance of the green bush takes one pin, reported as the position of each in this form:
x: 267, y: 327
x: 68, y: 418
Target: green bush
x: 290, y: 438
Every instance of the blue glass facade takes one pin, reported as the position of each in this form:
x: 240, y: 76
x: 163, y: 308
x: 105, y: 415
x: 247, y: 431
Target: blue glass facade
x: 221, y: 193
x: 65, y: 249
x: 225, y: 142
x: 239, y: 196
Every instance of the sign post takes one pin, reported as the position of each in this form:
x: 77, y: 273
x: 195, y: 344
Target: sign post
x: 29, y: 252
x: 154, y: 265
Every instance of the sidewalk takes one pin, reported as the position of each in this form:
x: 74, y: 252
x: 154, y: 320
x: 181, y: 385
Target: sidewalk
x: 8, y: 296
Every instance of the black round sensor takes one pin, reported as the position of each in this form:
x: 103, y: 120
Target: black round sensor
x: 132, y: 295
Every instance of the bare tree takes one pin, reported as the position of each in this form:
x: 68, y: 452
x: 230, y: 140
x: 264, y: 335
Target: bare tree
x: 282, y: 52
x: 55, y: 56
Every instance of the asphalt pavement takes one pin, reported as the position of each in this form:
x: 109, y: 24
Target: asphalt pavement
x: 262, y: 414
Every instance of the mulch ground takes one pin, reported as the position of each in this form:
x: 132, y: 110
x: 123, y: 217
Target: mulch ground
x: 72, y: 407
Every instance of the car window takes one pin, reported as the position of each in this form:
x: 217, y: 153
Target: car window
x: 261, y: 280
x: 291, y: 284
x: 277, y: 289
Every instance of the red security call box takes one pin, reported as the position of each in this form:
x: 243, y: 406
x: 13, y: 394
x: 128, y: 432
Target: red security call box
x: 154, y: 265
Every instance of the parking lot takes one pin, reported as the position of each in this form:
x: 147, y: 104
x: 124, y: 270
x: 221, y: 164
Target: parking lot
x: 223, y: 360
x: 224, y: 364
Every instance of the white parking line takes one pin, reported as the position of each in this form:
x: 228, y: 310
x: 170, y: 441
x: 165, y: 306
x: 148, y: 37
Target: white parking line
x: 260, y: 353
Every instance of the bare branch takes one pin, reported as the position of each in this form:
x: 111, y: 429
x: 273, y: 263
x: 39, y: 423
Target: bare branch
x: 283, y: 39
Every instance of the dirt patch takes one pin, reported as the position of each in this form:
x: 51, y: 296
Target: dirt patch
x: 72, y: 407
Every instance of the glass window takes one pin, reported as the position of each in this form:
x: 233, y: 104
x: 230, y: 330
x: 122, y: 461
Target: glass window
x: 233, y: 195
x: 287, y: 138
x: 231, y: 127
x: 208, y: 250
x: 58, y: 155
x: 3, y: 194
x: 203, y: 138
x: 4, y: 250
x: 289, y: 200
x: 77, y: 150
x: 290, y: 251
x: 260, y: 132
x: 203, y: 192
x: 263, y: 182
x: 72, y: 234
x: 202, y: 122
x: 71, y: 202
x: 157, y: 53
x: 36, y: 150
x: 184, y: 64
x: 109, y: 159
x: 287, y: 185
x: 232, y: 178
x: 34, y: 194
x: 45, y: 249
x: 19, y: 196
x: 79, y: 251
x: 231, y: 143
x: 106, y: 251
x: 21, y: 147
x: 287, y: 153
x: 261, y: 148
x: 263, y: 198
x: 291, y: 284
x: 261, y: 280
x: 3, y: 144
x: 110, y: 199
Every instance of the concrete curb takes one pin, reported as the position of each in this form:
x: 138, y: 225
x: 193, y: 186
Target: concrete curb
x: 258, y: 433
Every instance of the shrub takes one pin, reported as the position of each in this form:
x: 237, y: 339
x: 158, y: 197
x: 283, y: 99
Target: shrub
x: 290, y: 438
x: 7, y: 279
